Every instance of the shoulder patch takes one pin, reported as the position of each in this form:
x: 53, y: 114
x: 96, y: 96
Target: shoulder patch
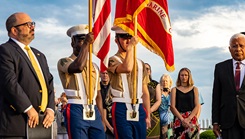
x: 63, y: 61
x: 111, y: 61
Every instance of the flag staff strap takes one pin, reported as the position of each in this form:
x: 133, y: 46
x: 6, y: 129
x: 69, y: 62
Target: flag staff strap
x: 89, y: 97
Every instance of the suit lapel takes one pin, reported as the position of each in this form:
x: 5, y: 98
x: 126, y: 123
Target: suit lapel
x: 24, y: 56
x: 243, y: 82
x: 40, y: 61
x: 231, y: 73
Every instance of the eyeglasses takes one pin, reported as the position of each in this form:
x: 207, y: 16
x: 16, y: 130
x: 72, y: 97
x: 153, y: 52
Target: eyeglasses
x: 124, y: 36
x: 29, y: 24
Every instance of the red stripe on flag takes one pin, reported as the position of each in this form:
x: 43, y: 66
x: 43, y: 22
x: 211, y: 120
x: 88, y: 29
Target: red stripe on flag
x: 103, y: 15
x: 104, y: 50
x: 102, y: 27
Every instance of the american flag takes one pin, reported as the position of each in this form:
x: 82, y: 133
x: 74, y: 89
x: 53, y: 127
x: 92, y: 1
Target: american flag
x: 102, y: 31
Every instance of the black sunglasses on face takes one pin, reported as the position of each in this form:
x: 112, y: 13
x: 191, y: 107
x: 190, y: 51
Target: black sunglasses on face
x: 29, y: 24
x: 124, y: 36
x: 79, y: 37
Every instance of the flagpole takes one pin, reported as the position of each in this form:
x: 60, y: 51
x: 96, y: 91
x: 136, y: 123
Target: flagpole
x: 90, y: 57
x: 135, y: 57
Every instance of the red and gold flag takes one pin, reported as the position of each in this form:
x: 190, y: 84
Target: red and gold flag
x: 153, y: 26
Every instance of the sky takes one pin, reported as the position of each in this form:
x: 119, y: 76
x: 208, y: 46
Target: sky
x: 200, y: 33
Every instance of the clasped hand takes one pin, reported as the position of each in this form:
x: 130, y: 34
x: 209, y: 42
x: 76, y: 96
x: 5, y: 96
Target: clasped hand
x: 186, y: 122
x: 33, y: 119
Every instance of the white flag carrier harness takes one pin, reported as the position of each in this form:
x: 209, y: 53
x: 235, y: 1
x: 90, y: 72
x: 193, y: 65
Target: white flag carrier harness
x: 125, y: 95
x: 81, y: 91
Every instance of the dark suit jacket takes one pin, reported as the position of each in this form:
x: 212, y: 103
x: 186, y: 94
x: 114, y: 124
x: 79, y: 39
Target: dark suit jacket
x: 19, y: 88
x: 227, y: 103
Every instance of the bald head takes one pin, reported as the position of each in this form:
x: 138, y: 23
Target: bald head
x: 236, y: 36
x: 21, y: 27
x: 15, y: 19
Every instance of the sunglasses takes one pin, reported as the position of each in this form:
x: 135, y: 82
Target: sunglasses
x: 29, y: 24
x: 124, y: 36
x: 79, y: 37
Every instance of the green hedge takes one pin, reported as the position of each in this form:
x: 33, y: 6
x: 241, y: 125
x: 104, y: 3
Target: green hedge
x: 208, y: 134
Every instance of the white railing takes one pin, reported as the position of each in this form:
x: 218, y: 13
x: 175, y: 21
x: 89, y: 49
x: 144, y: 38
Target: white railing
x: 205, y: 124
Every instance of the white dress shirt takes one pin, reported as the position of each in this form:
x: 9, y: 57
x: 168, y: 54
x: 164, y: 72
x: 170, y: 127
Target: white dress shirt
x: 242, y: 69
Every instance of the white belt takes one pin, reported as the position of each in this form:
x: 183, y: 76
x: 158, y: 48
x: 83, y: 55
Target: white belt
x: 75, y: 101
x: 74, y: 93
x: 71, y: 92
x: 124, y: 100
x: 79, y: 101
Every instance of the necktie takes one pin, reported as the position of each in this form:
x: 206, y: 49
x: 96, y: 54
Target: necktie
x: 237, y: 75
x: 40, y: 78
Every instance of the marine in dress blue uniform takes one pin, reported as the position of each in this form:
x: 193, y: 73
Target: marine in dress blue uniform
x: 74, y: 78
x: 122, y: 75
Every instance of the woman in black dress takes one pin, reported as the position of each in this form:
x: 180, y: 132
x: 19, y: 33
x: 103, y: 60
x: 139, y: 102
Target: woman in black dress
x: 184, y: 106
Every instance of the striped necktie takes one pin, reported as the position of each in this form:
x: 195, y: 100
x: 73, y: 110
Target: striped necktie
x: 40, y: 78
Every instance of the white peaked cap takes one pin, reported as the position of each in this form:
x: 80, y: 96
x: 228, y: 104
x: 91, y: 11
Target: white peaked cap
x: 118, y: 30
x: 77, y: 30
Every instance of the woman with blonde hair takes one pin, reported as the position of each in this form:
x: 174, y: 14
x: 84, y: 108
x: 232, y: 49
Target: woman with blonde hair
x: 184, y: 106
x: 165, y: 86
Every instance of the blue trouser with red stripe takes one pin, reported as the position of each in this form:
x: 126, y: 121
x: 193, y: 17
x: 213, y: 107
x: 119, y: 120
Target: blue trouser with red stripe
x: 124, y: 129
x: 78, y: 128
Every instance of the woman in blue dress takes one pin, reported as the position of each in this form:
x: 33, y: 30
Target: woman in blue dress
x: 165, y: 85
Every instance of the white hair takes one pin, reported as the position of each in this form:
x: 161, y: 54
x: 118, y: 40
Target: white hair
x: 168, y: 77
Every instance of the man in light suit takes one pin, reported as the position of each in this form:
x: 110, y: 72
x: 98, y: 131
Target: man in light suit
x: 228, y: 103
x: 20, y: 89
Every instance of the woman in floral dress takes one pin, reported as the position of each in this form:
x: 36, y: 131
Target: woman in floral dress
x: 184, y: 106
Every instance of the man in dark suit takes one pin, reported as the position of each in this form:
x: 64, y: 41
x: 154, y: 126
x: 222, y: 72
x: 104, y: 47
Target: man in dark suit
x: 20, y: 87
x: 228, y: 103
